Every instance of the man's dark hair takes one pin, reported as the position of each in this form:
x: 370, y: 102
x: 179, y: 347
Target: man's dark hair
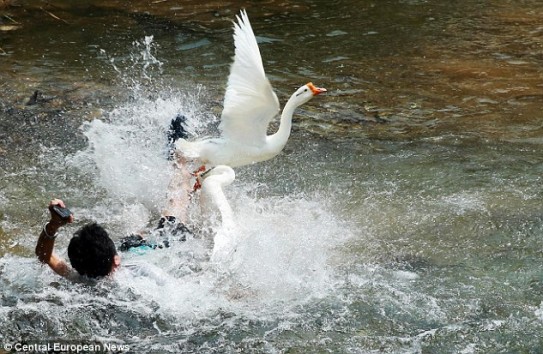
x: 91, y: 251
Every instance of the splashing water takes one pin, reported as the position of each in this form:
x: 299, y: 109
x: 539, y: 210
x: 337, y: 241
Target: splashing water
x: 127, y: 150
x: 126, y: 154
x: 140, y: 66
x: 281, y: 260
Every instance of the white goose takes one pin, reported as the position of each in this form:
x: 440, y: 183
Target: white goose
x: 249, y: 106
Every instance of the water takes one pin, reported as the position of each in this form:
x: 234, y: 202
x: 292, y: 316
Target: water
x: 404, y: 216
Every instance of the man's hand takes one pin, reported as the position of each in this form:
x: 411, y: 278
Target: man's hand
x: 56, y: 221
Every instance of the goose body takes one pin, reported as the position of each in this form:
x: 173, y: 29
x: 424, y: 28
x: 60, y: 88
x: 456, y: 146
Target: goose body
x: 249, y: 105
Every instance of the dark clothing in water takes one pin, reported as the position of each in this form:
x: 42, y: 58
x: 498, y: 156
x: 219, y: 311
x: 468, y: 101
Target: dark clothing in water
x: 167, y: 226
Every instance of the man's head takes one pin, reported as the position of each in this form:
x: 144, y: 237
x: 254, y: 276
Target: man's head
x: 92, y: 252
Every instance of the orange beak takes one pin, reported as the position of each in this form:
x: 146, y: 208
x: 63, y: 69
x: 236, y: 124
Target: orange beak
x: 316, y: 90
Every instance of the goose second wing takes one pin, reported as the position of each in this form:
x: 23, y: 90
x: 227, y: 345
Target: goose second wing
x: 249, y: 102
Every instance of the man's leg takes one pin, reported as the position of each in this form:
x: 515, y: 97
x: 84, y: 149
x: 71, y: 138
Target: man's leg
x: 178, y: 196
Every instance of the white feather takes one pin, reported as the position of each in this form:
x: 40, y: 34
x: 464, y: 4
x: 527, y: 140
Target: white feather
x: 249, y: 103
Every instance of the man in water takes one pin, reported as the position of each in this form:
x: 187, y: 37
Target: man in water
x: 91, y: 251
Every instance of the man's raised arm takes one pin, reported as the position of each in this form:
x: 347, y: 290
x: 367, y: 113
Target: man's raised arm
x: 46, y: 241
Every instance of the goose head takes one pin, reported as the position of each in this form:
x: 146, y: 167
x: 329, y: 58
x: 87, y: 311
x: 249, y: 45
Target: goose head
x: 306, y: 92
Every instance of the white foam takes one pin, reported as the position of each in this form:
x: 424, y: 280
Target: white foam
x: 283, y: 243
x: 127, y: 148
x: 283, y: 256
